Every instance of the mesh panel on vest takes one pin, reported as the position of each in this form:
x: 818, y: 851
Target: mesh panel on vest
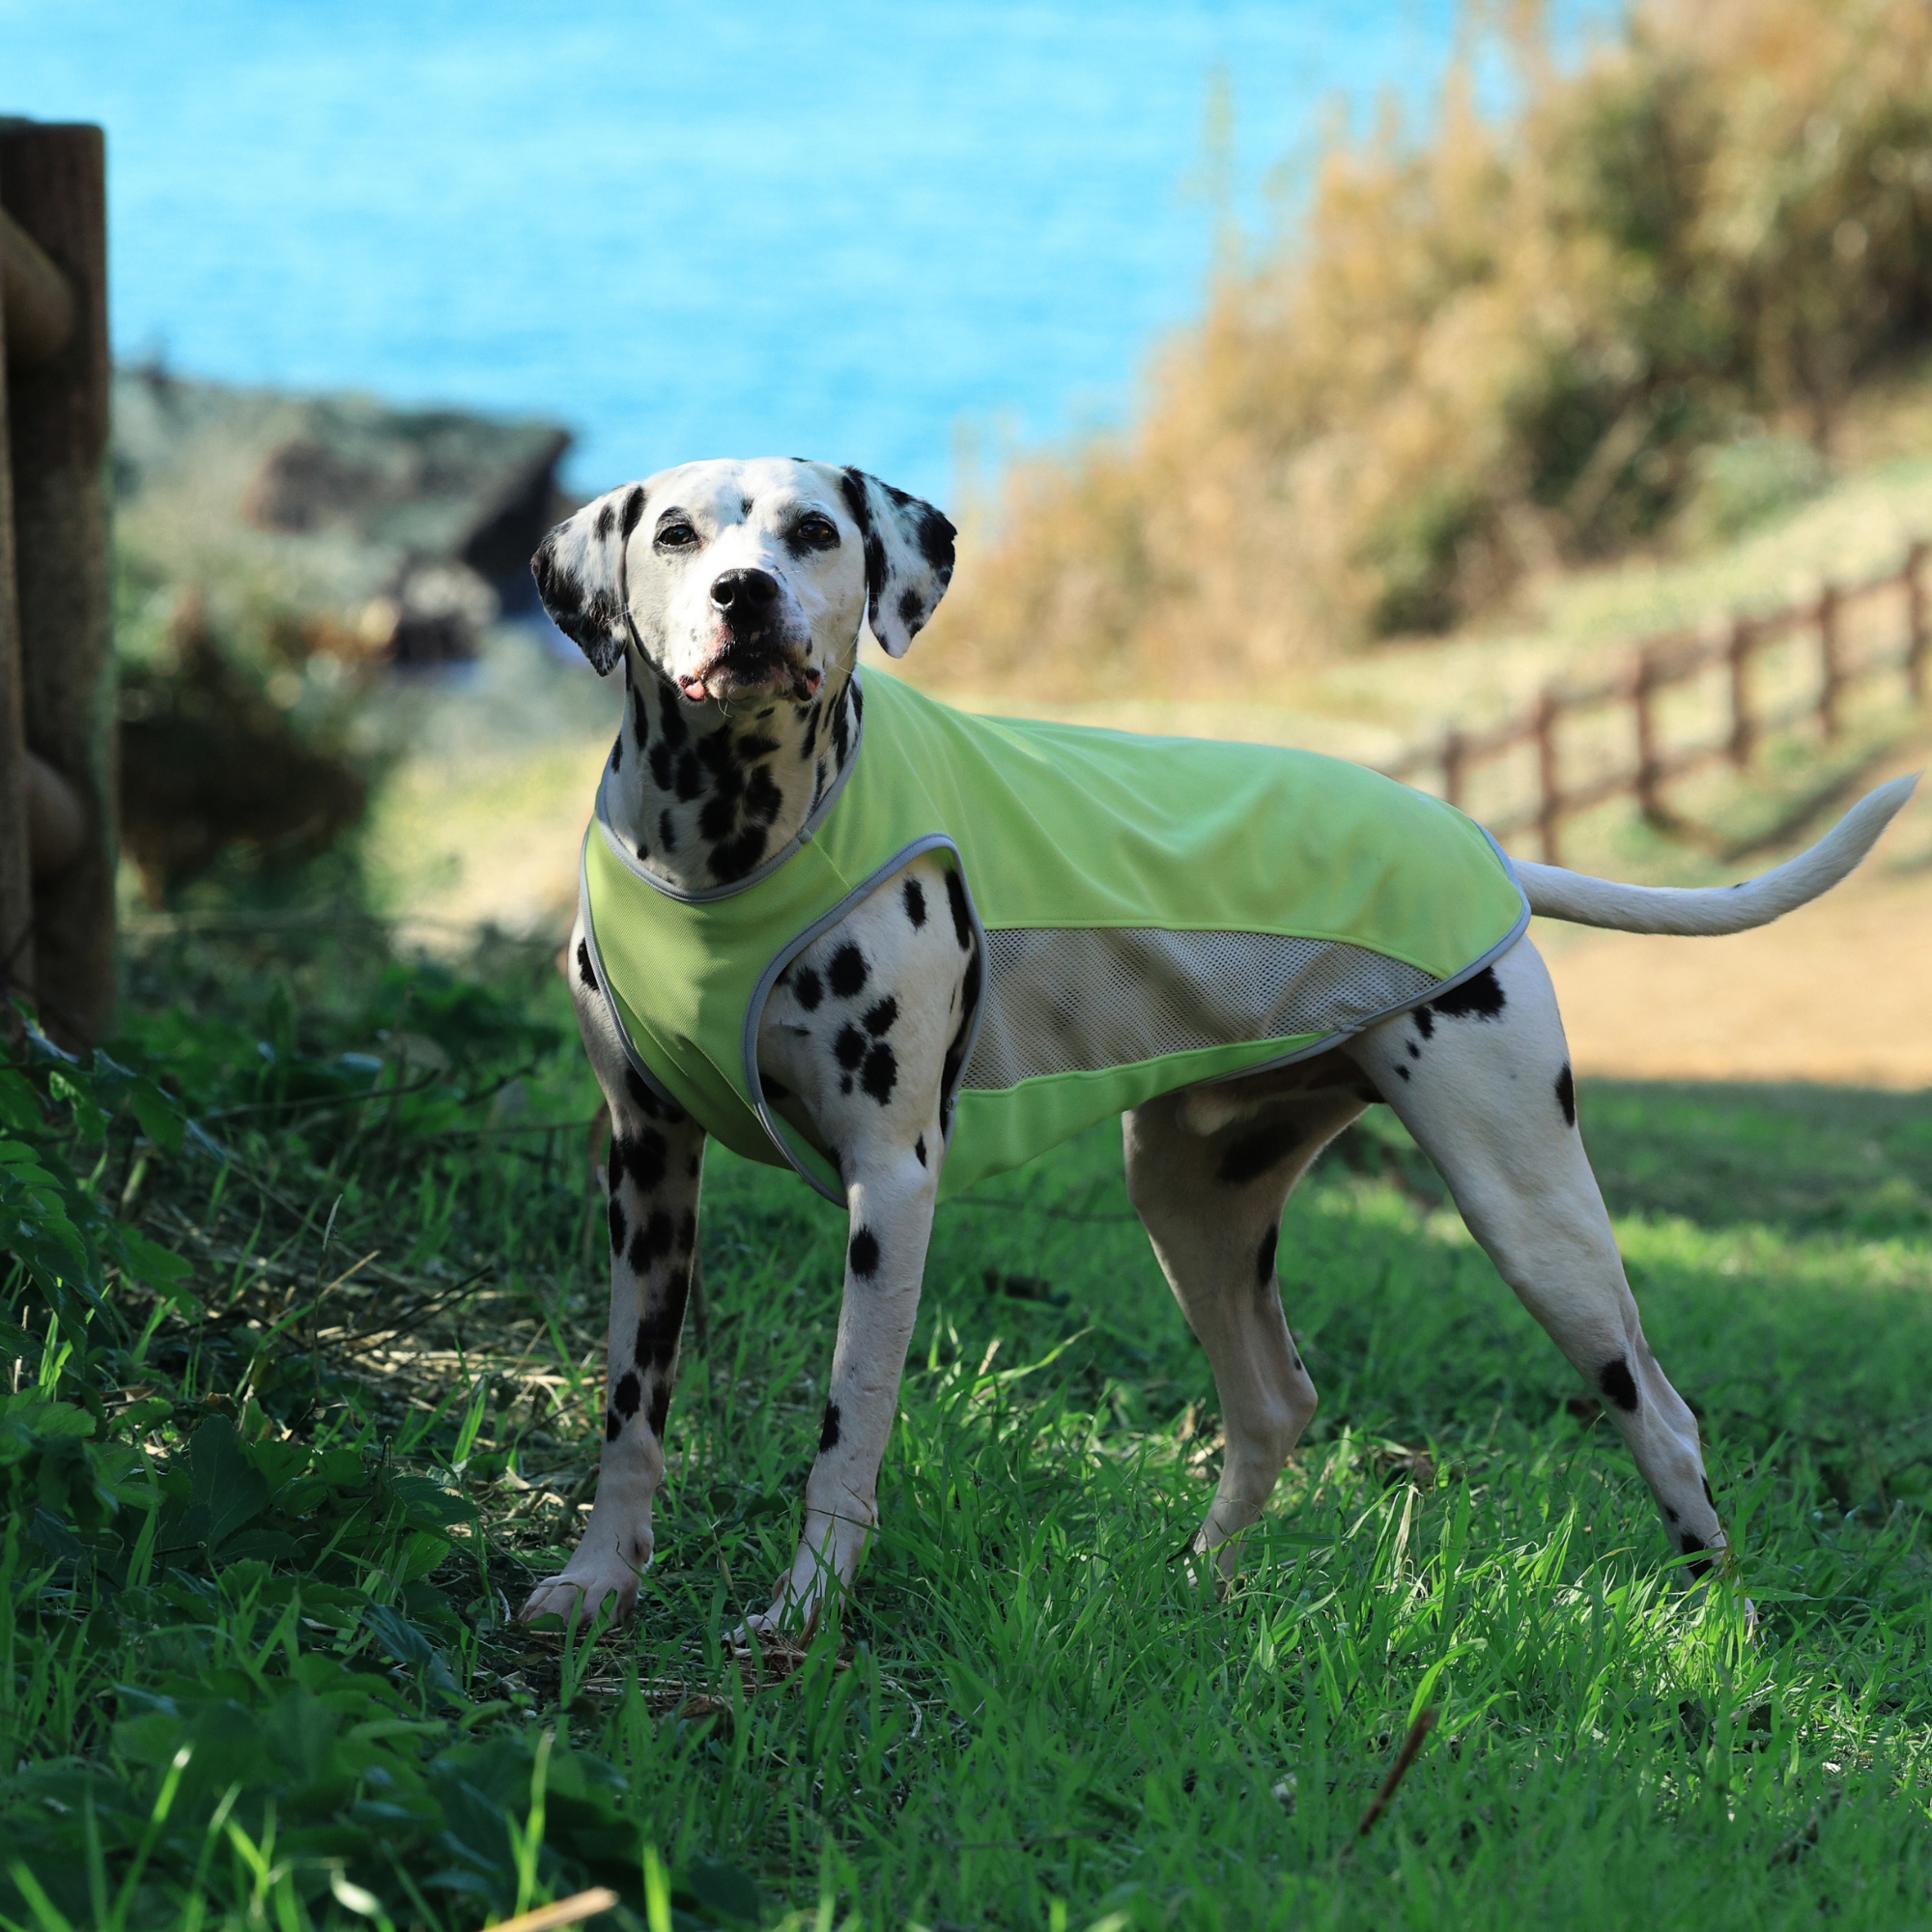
x: 1062, y: 999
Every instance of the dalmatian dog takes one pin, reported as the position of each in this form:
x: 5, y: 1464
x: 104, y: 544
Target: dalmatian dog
x: 732, y: 596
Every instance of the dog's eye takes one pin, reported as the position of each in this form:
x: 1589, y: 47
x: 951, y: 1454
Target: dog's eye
x: 820, y: 532
x: 677, y: 536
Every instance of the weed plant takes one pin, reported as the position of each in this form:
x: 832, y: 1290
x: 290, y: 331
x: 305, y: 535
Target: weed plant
x: 304, y: 1312
x: 1515, y: 343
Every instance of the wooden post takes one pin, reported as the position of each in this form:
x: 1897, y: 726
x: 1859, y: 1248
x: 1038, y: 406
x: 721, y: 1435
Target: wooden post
x: 1914, y: 622
x: 16, y: 888
x: 53, y: 185
x: 1454, y: 766
x: 1550, y: 788
x: 1737, y: 653
x: 1831, y: 673
x: 1649, y: 776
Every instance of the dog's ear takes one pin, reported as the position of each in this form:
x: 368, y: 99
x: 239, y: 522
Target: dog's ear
x: 908, y: 557
x: 581, y: 576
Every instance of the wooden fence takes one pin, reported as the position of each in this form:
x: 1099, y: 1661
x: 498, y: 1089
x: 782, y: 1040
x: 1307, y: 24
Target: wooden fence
x: 57, y: 752
x: 1674, y: 659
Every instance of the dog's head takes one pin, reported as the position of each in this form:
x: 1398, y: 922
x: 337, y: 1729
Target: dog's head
x: 745, y: 578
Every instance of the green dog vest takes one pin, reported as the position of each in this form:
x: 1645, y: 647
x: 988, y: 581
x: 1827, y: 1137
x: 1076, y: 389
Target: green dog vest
x: 1151, y: 912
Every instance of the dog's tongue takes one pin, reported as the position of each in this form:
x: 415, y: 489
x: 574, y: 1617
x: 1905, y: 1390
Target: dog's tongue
x: 694, y: 689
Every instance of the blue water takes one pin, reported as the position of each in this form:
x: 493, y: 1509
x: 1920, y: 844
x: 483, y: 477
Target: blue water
x: 845, y: 230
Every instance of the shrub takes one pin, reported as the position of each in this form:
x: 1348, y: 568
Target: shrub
x: 1493, y: 351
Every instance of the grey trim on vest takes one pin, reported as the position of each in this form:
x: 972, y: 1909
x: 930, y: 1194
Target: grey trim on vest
x: 932, y: 841
x: 639, y: 1064
x: 766, y: 866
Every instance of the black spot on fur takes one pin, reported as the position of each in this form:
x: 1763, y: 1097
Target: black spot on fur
x: 809, y: 742
x: 1424, y: 1023
x: 1566, y: 1094
x: 626, y: 1396
x: 607, y: 521
x: 762, y: 796
x: 914, y: 896
x: 881, y: 1074
x: 666, y: 837
x: 662, y: 773
x: 849, y: 1048
x: 1265, y: 1261
x: 912, y: 610
x: 689, y: 776
x: 1479, y: 998
x: 962, y: 918
x: 614, y: 1425
x: 583, y: 970
x: 969, y: 983
x: 634, y: 508
x: 687, y: 1232
x: 755, y: 746
x: 618, y: 1229
x: 735, y: 857
x: 618, y: 751
x: 1670, y: 1513
x: 881, y: 1017
x: 671, y: 721
x: 659, y: 1408
x: 845, y: 1084
x: 1401, y: 1074
x: 1694, y: 1546
x: 918, y: 1149
x: 852, y: 487
x: 847, y: 971
x: 647, y: 1103
x: 651, y: 1242
x: 1414, y: 1051
x: 718, y: 817
x: 1615, y: 1381
x: 643, y: 1158
x: 641, y: 719
x: 1708, y: 1496
x: 828, y: 1429
x: 655, y: 1344
x: 841, y: 732
x: 1255, y: 1154
x: 807, y: 988
x: 863, y: 1255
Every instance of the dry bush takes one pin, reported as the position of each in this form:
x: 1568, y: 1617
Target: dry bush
x: 1494, y: 351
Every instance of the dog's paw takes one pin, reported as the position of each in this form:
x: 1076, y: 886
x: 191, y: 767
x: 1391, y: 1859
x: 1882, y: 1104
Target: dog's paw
x: 787, y: 1626
x: 587, y: 1587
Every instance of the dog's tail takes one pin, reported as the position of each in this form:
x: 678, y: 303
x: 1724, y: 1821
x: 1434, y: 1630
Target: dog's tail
x: 1703, y: 910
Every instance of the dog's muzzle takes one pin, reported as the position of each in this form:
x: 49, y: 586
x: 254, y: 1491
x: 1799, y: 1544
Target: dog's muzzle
x: 756, y: 653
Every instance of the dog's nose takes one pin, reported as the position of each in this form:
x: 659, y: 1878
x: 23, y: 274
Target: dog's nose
x: 744, y: 593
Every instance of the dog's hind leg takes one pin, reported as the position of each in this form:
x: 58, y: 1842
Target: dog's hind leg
x: 1481, y: 1077
x: 1212, y: 1206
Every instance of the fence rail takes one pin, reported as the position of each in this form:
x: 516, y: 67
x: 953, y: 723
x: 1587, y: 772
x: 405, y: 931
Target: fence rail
x: 1672, y: 659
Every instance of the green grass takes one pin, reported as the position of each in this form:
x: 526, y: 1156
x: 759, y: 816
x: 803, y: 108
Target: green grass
x: 244, y: 1526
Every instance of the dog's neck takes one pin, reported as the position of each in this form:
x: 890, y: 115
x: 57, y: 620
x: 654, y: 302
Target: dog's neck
x: 702, y: 794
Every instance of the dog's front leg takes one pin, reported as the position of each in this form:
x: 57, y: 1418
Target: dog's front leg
x: 859, y: 1032
x: 656, y: 1154
x: 891, y: 1204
